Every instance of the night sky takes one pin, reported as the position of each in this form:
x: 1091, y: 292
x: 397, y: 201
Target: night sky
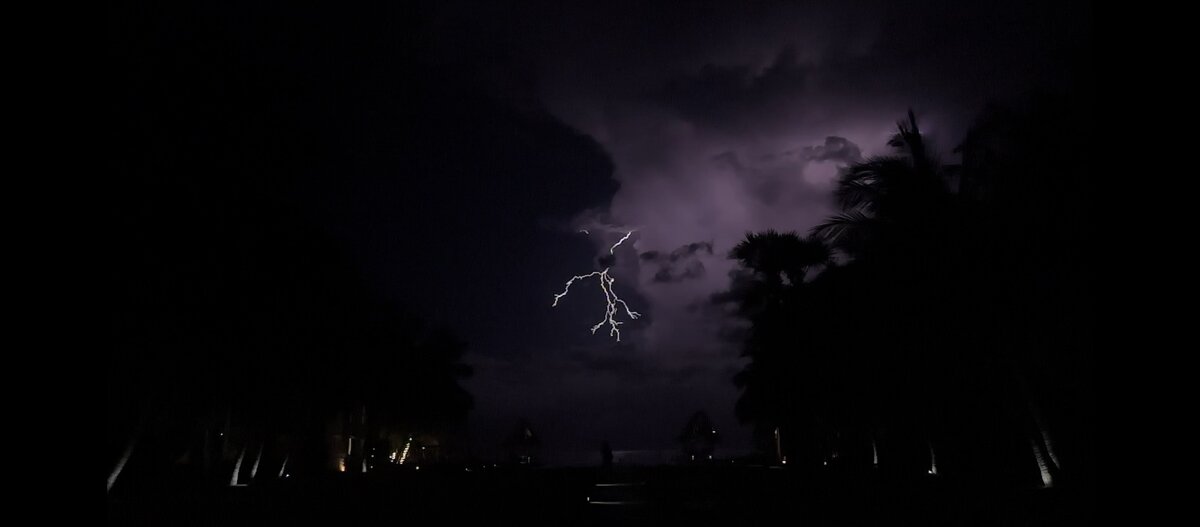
x: 454, y: 151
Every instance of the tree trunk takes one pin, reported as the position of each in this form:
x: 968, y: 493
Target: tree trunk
x: 237, y: 468
x: 1040, y: 440
x: 257, y: 460
x: 116, y: 471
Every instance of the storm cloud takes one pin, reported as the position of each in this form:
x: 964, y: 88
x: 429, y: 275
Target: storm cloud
x: 680, y: 264
x: 838, y: 149
x: 727, y: 118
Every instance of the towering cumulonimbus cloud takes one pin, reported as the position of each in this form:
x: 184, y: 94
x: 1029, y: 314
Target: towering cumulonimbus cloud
x: 709, y: 144
x: 727, y: 118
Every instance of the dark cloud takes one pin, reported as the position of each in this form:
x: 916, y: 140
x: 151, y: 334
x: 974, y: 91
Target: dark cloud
x: 678, y: 273
x: 678, y: 254
x: 837, y: 149
x: 680, y: 264
x: 723, y: 94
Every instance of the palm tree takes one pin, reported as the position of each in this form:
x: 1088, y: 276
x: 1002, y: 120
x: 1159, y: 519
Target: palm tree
x: 781, y: 258
x: 774, y: 293
x: 907, y: 346
x: 827, y: 340
x: 775, y: 264
x: 902, y: 194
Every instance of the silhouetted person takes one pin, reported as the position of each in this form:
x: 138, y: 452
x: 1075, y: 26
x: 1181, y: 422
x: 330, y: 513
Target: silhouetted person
x: 606, y: 461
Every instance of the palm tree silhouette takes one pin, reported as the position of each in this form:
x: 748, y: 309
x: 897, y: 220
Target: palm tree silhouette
x: 886, y: 198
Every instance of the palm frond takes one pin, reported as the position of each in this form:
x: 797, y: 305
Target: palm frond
x: 857, y: 193
x: 834, y: 229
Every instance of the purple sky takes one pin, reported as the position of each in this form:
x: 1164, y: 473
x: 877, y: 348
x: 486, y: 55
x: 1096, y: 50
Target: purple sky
x: 719, y: 120
x: 452, y: 148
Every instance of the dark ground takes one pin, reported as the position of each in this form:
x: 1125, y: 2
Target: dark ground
x: 706, y: 495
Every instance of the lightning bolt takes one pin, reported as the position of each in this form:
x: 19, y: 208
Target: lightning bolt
x: 614, y: 304
x: 619, y: 242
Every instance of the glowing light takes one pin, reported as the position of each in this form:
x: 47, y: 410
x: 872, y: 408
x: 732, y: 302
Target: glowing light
x: 779, y: 447
x: 341, y: 464
x: 404, y: 454
x: 613, y: 302
x: 932, y: 460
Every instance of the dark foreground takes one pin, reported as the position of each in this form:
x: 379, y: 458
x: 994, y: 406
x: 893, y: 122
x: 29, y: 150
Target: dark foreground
x: 733, y: 495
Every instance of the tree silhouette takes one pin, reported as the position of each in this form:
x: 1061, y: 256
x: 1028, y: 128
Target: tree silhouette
x: 698, y: 438
x: 904, y: 353
x: 244, y: 336
x: 523, y: 445
x: 890, y: 200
